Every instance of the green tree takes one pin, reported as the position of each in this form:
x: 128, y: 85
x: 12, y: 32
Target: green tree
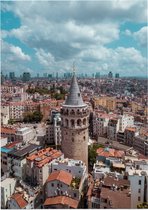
x: 92, y: 154
x: 142, y: 205
x: 36, y: 116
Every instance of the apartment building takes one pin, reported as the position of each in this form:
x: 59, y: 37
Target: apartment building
x: 4, y: 155
x: 9, y: 133
x: 63, y: 184
x: 53, y: 130
x: 7, y: 189
x: 129, y: 135
x: 141, y: 144
x: 38, y: 165
x: 139, y: 189
x: 113, y: 128
x: 17, y: 160
x: 25, y: 134
x: 76, y: 167
x: 5, y: 117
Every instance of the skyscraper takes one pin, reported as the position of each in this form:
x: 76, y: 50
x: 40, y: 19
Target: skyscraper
x: 75, y: 120
x: 26, y: 76
x: 12, y: 76
x: 117, y: 75
x: 110, y: 75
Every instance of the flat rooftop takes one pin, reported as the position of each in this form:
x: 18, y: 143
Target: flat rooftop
x: 7, y: 181
x: 24, y: 151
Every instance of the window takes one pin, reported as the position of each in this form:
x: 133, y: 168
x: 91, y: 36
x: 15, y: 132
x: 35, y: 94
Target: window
x: 61, y: 185
x: 139, y: 182
x: 139, y: 191
x: 75, y: 195
x: 139, y: 198
x: 52, y: 184
x: 72, y: 139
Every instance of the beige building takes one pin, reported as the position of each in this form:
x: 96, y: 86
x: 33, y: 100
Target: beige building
x: 75, y: 121
x: 106, y: 102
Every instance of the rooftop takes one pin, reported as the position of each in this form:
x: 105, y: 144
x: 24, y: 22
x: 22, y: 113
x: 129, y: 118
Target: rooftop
x: 62, y: 176
x: 108, y: 152
x: 118, y: 199
x: 18, y: 197
x: 109, y: 181
x: 8, y: 130
x: 44, y: 156
x: 24, y: 151
x: 63, y: 200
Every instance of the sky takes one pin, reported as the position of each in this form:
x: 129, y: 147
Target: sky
x: 99, y: 36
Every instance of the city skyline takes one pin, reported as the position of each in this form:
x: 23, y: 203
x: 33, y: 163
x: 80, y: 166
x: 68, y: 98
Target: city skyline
x: 48, y: 36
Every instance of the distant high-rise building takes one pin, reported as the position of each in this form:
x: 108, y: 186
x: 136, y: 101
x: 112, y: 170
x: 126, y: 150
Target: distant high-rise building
x: 38, y: 75
x: 45, y: 75
x: 26, y: 76
x: 12, y: 75
x: 110, y: 75
x: 50, y: 76
x: 67, y: 75
x: 97, y: 76
x: 117, y: 75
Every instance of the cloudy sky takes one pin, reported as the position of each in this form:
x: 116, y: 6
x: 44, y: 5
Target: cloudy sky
x: 100, y: 36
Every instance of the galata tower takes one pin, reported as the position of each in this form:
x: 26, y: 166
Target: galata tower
x: 75, y: 121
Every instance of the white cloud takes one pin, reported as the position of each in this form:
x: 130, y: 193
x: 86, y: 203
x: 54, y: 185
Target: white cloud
x: 141, y: 36
x: 44, y: 58
x: 17, y: 51
x: 13, y: 58
x: 60, y: 33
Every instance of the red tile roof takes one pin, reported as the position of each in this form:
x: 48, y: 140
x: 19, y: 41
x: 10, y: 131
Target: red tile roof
x: 18, y: 197
x: 108, y: 152
x: 63, y: 200
x: 62, y: 176
x: 44, y: 156
x: 11, y: 145
x: 8, y: 130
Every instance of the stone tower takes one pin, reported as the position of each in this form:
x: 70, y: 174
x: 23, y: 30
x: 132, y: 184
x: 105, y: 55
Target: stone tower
x: 75, y: 121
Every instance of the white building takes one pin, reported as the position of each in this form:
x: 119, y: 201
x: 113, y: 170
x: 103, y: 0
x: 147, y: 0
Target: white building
x: 16, y: 110
x: 99, y: 170
x: 76, y: 167
x: 100, y: 128
x: 7, y: 189
x: 25, y: 134
x: 3, y: 141
x: 17, y: 160
x: 4, y: 115
x: 62, y: 183
x: 139, y: 190
x: 125, y: 121
x: 53, y: 130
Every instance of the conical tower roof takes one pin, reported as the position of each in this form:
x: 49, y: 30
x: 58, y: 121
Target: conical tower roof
x: 74, y: 97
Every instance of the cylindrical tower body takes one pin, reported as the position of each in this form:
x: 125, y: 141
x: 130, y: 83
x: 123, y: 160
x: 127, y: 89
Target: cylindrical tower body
x: 75, y: 132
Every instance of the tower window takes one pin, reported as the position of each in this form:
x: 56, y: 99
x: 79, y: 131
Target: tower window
x: 79, y: 94
x: 72, y: 139
x: 84, y: 138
